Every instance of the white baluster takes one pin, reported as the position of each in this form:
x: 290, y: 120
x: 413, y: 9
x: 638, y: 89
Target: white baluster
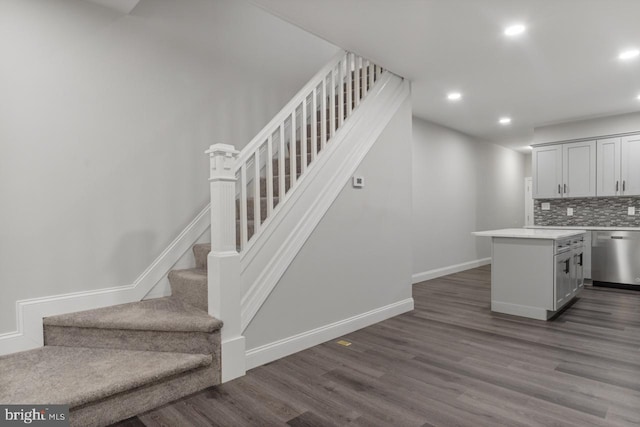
x: 303, y: 138
x: 314, y: 124
x: 281, y: 167
x: 341, y: 77
x: 269, y: 173
x: 366, y: 77
x: 323, y: 115
x: 256, y: 192
x: 358, y: 67
x: 332, y: 103
x: 224, y: 285
x: 350, y: 88
x: 292, y: 151
x: 244, y: 235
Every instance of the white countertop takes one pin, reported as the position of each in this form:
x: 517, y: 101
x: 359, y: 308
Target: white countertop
x: 530, y: 233
x: 577, y: 227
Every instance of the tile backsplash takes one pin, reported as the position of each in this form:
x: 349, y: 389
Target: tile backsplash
x: 595, y: 211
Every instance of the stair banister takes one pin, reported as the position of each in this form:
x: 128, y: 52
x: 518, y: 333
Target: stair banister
x: 224, y: 286
x: 282, y: 116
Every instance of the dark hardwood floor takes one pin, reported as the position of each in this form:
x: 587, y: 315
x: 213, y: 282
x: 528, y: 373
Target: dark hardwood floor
x: 450, y: 362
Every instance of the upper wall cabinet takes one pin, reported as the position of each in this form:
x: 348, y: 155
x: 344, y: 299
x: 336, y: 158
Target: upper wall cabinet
x: 564, y: 170
x: 609, y: 167
x: 547, y: 172
x: 630, y: 169
x: 618, y: 166
x: 579, y: 169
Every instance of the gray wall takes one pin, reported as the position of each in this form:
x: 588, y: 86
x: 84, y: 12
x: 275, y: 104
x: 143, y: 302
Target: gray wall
x: 359, y: 256
x: 527, y: 164
x: 460, y: 185
x: 104, y: 119
x: 592, y: 128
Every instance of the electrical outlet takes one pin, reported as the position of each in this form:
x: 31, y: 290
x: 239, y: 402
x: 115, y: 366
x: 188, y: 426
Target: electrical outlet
x: 358, y: 182
x: 546, y: 206
x: 570, y: 211
x: 631, y: 210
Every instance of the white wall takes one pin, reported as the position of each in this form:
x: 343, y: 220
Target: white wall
x: 623, y: 123
x: 527, y: 164
x: 104, y: 119
x: 460, y: 185
x: 359, y: 256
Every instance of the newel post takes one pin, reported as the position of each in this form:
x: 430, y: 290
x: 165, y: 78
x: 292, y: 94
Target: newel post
x: 224, y: 260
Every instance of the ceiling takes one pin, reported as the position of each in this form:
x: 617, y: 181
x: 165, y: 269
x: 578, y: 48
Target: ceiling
x: 122, y: 6
x: 565, y: 66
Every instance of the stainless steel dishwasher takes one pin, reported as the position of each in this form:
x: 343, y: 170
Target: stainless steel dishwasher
x: 615, y: 257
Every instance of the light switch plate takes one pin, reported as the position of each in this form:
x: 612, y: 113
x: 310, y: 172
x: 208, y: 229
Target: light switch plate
x: 546, y: 206
x: 358, y: 182
x: 631, y: 210
x: 570, y: 211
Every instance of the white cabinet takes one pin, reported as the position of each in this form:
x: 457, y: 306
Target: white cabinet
x: 618, y: 171
x: 586, y: 256
x: 608, y: 153
x: 564, y: 170
x: 547, y: 171
x: 579, y: 169
x: 569, y: 273
x: 535, y: 276
x: 563, y: 283
x: 630, y: 167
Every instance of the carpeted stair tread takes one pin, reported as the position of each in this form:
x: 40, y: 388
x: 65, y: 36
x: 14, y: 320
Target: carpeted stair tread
x: 192, y: 273
x: 190, y: 286
x: 160, y: 314
x: 201, y: 252
x: 77, y: 376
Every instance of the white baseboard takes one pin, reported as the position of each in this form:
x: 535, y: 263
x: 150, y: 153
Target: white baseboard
x: 439, y: 272
x: 233, y: 359
x: 520, y: 310
x: 276, y: 350
x: 30, y: 312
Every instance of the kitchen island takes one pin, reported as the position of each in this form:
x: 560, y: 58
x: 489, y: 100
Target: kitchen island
x: 535, y: 272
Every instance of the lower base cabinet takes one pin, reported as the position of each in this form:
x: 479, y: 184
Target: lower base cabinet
x: 535, y: 278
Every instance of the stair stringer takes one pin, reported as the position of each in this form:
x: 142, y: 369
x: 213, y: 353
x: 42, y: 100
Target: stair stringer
x: 283, y: 235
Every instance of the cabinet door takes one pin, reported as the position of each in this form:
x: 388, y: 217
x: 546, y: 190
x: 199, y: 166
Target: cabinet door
x: 562, y: 285
x: 547, y: 172
x: 579, y: 271
x: 586, y: 256
x: 579, y: 169
x: 630, y: 165
x: 608, y: 154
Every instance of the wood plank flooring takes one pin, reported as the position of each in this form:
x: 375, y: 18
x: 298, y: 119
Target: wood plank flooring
x: 450, y: 362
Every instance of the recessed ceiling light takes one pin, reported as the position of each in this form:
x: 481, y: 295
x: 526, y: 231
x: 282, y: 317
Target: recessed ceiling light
x: 638, y: 98
x: 629, y: 54
x: 514, y: 30
x: 454, y: 96
x: 504, y: 120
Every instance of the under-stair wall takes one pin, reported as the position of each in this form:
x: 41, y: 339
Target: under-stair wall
x: 355, y: 268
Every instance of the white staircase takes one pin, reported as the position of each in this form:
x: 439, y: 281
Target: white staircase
x: 267, y: 199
